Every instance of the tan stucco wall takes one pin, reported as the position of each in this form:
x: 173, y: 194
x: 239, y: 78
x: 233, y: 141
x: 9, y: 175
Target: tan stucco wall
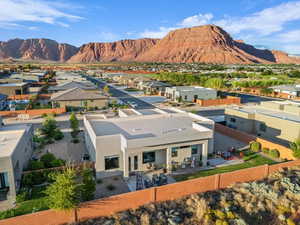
x: 100, y: 103
x: 276, y: 128
x: 20, y: 157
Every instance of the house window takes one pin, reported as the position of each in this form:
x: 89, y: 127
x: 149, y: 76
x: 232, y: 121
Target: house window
x: 185, y: 97
x: 3, y: 180
x: 262, y: 127
x: 174, y: 151
x: 194, y: 149
x: 233, y: 120
x: 148, y: 157
x: 111, y: 162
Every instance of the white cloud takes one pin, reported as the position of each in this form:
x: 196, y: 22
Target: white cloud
x: 265, y: 22
x: 15, y: 11
x: 108, y: 36
x: 197, y: 20
x: 290, y: 36
x: 259, y: 24
x: 157, y: 33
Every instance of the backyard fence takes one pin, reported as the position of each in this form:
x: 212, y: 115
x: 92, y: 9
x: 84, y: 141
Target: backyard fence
x: 33, y: 112
x: 285, y: 153
x: 132, y: 200
x: 223, y: 101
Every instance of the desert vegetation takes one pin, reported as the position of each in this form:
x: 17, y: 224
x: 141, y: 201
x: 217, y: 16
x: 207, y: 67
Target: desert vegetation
x: 274, y: 200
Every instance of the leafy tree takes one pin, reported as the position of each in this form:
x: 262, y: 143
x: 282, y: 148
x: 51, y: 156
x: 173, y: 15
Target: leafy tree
x: 88, y: 186
x: 74, y: 124
x: 216, y: 83
x: 106, y: 89
x: 47, y: 159
x: 64, y: 193
x: 49, y: 127
x: 266, y: 91
x: 295, y: 146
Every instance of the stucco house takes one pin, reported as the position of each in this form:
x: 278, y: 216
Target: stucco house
x: 123, y: 145
x: 79, y: 98
x: 15, y: 152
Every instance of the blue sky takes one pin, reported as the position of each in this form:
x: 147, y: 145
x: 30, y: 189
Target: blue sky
x: 271, y: 23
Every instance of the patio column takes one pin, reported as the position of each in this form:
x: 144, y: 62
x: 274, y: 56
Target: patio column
x: 125, y: 164
x: 204, y: 153
x: 169, y: 159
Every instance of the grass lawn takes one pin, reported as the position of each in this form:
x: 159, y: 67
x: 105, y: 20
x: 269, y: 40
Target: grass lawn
x: 251, y: 160
x: 37, y: 202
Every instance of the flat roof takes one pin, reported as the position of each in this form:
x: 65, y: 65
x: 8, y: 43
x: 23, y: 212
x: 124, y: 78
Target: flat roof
x: 155, y: 129
x: 272, y: 113
x: 13, y: 84
x: 10, y: 136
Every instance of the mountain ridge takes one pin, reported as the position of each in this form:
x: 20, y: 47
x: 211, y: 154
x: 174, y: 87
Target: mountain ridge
x: 205, y: 44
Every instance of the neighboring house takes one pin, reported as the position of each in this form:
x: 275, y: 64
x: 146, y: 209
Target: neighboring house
x: 154, y: 87
x: 87, y: 86
x: 287, y: 91
x: 119, y: 146
x: 3, y: 101
x: 15, y: 152
x: 273, y: 120
x: 189, y: 93
x: 79, y: 98
x: 14, y: 88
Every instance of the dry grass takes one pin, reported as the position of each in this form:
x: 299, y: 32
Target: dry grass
x: 275, y: 200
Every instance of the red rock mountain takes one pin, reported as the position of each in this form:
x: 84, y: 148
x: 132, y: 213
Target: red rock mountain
x: 125, y: 50
x: 36, y: 49
x: 207, y: 44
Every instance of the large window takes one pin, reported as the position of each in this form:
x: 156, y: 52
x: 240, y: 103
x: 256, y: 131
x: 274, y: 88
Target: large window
x: 194, y: 149
x: 111, y: 162
x: 174, y: 151
x: 148, y: 157
x: 232, y: 120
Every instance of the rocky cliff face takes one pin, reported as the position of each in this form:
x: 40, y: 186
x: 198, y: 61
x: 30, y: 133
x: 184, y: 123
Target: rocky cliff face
x: 125, y: 50
x: 207, y: 44
x: 36, y: 49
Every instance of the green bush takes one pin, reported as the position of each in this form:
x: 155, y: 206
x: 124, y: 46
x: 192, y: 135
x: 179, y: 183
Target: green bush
x: 110, y: 187
x: 57, y: 163
x: 255, y: 146
x: 266, y: 150
x: 47, y: 159
x: 274, y: 153
x: 58, y: 135
x: 22, y: 196
x: 35, y: 165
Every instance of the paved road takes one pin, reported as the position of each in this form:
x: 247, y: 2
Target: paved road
x: 123, y: 96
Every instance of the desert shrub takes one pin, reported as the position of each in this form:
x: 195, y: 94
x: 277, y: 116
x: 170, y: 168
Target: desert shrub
x: 47, y: 159
x: 266, y: 150
x: 35, y: 165
x: 255, y: 146
x: 110, y: 187
x: 274, y: 153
